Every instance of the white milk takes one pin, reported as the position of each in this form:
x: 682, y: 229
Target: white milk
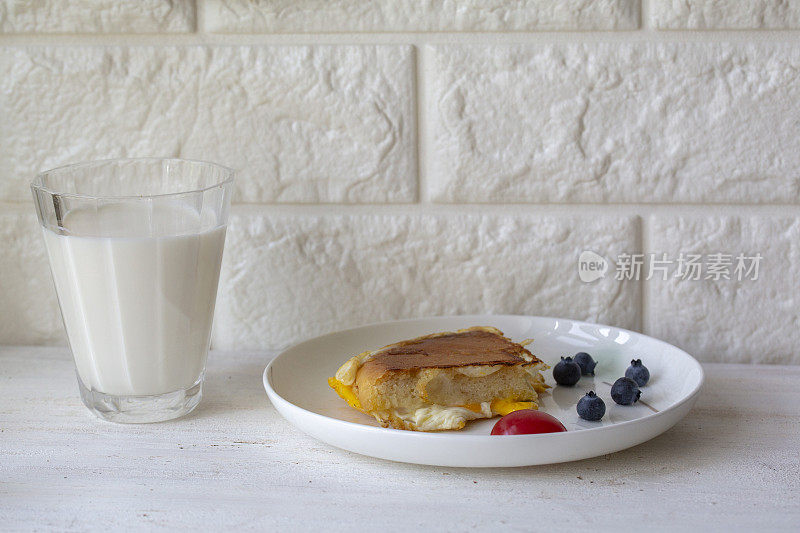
x: 137, y: 309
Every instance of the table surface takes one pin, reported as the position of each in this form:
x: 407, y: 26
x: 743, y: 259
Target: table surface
x: 234, y: 463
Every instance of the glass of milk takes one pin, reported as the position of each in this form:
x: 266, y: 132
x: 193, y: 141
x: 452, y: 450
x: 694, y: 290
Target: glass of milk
x: 135, y: 247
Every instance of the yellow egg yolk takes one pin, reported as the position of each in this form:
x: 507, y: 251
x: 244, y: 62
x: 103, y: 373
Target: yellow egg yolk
x: 346, y: 392
x: 502, y: 407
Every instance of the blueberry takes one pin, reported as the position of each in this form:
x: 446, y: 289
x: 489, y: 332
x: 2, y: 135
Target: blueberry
x: 567, y: 372
x: 586, y: 363
x: 591, y: 407
x: 638, y: 373
x: 625, y: 391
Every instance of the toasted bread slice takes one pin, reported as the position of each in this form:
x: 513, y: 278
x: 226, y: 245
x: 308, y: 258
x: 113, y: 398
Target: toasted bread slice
x: 441, y: 381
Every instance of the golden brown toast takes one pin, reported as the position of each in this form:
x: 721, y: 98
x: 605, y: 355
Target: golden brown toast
x: 441, y: 381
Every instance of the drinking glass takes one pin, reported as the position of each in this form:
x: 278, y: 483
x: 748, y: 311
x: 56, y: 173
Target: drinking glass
x: 135, y: 247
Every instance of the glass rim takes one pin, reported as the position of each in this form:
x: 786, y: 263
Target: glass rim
x: 37, y: 183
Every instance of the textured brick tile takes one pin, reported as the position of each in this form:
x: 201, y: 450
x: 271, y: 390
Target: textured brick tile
x: 300, y: 123
x: 288, y: 277
x: 725, y: 14
x: 749, y: 321
x: 300, y: 16
x: 615, y: 123
x: 96, y: 16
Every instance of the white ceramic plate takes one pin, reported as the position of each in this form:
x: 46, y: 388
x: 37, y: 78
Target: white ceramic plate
x: 296, y: 382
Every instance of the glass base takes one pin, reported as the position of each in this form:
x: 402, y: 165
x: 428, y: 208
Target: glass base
x: 142, y: 409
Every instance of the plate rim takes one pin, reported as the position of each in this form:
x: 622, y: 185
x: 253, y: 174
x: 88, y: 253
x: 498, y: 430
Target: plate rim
x: 273, y: 394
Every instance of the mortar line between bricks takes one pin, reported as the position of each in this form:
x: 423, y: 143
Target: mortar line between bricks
x: 644, y: 15
x: 522, y: 210
x: 704, y: 210
x: 639, y: 35
x: 199, y: 21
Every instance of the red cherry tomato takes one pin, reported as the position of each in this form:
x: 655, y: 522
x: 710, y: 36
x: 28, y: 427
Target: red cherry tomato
x: 527, y: 421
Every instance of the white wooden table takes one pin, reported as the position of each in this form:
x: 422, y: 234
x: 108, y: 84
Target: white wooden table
x: 733, y: 463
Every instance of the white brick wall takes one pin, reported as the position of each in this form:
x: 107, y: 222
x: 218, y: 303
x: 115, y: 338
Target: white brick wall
x: 293, y: 275
x: 729, y: 321
x: 725, y: 14
x: 401, y: 158
x: 661, y: 122
x: 304, y: 16
x: 302, y: 123
x: 101, y: 16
